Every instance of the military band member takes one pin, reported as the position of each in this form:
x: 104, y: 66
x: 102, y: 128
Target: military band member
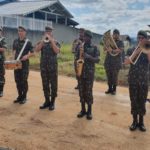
x: 113, y: 64
x: 75, y: 44
x: 21, y: 75
x: 91, y: 56
x: 3, y: 47
x: 138, y: 85
x: 49, y: 73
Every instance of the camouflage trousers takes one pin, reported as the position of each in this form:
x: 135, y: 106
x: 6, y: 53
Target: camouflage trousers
x: 49, y: 82
x: 112, y: 76
x: 21, y: 77
x: 138, y: 96
x: 85, y: 90
x: 2, y: 75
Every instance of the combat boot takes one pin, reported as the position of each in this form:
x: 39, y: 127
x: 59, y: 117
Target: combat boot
x: 1, y: 90
x: 46, y: 103
x: 141, y: 124
x: 89, y: 112
x: 24, y: 99
x: 134, y: 125
x: 113, y: 90
x: 18, y: 99
x: 82, y: 113
x: 52, y: 104
x: 109, y: 89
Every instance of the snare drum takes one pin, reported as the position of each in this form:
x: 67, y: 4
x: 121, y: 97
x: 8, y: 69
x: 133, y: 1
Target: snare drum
x: 12, y: 64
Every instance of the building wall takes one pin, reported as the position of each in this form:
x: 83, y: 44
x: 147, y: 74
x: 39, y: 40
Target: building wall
x: 62, y: 33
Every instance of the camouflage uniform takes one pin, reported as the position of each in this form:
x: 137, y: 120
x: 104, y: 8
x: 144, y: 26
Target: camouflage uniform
x: 113, y: 64
x: 21, y: 75
x: 87, y: 78
x: 138, y: 84
x: 49, y: 71
x: 2, y: 59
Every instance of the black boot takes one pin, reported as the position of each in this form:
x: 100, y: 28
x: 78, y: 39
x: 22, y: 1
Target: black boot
x: 24, y: 98
x: 19, y: 98
x: 134, y: 125
x: 113, y: 90
x: 1, y: 90
x: 141, y: 124
x: 82, y: 113
x: 52, y: 104
x: 46, y: 103
x: 89, y: 112
x: 109, y: 89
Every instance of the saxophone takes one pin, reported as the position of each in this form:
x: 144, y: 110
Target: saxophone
x: 80, y: 61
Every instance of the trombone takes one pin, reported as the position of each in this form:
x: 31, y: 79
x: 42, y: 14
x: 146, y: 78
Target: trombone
x: 143, y: 47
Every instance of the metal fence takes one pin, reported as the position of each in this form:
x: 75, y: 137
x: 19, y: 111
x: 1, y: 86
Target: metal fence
x: 28, y: 23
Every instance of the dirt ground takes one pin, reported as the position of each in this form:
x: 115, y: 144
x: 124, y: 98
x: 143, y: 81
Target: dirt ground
x: 25, y: 127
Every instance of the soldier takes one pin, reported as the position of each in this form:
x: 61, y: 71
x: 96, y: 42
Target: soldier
x: 3, y: 47
x: 138, y: 85
x: 49, y: 49
x: 113, y: 64
x: 75, y: 44
x: 21, y: 75
x: 91, y: 56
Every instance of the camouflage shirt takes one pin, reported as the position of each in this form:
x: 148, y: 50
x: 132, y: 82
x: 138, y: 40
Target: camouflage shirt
x: 138, y: 73
x: 2, y: 45
x: 114, y: 62
x: 89, y: 66
x: 49, y: 57
x: 17, y: 46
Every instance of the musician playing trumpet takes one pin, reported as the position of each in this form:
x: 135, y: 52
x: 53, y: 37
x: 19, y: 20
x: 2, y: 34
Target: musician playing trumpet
x: 90, y: 55
x: 49, y: 49
x: 138, y: 81
x: 3, y: 47
x: 113, y: 62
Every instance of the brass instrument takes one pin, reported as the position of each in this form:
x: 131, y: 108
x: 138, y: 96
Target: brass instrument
x: 109, y: 43
x: 46, y: 40
x: 143, y: 47
x: 80, y: 61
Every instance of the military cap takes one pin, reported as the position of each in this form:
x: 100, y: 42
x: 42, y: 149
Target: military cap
x: 142, y: 33
x: 48, y: 28
x: 116, y: 31
x: 23, y: 28
x: 1, y: 29
x: 88, y: 33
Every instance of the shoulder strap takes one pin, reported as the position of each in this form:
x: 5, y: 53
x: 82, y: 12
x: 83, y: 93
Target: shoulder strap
x: 26, y: 41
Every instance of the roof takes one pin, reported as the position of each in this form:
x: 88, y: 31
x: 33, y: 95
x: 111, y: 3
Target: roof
x: 26, y: 7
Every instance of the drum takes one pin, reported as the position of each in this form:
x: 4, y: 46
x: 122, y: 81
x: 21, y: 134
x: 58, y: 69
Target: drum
x: 12, y: 64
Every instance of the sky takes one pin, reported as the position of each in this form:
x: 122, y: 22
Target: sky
x: 129, y: 16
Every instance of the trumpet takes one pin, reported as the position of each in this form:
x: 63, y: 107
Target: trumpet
x: 143, y: 47
x: 46, y: 40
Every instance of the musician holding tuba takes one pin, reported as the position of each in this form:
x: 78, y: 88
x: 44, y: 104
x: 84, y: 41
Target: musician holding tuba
x: 88, y: 55
x: 138, y: 79
x: 49, y: 49
x: 114, y: 48
x: 3, y: 47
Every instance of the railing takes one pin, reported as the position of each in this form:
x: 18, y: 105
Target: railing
x: 28, y: 23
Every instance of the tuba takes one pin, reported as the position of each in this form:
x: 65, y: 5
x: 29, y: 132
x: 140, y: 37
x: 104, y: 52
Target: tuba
x: 80, y: 61
x: 143, y: 47
x: 110, y: 43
